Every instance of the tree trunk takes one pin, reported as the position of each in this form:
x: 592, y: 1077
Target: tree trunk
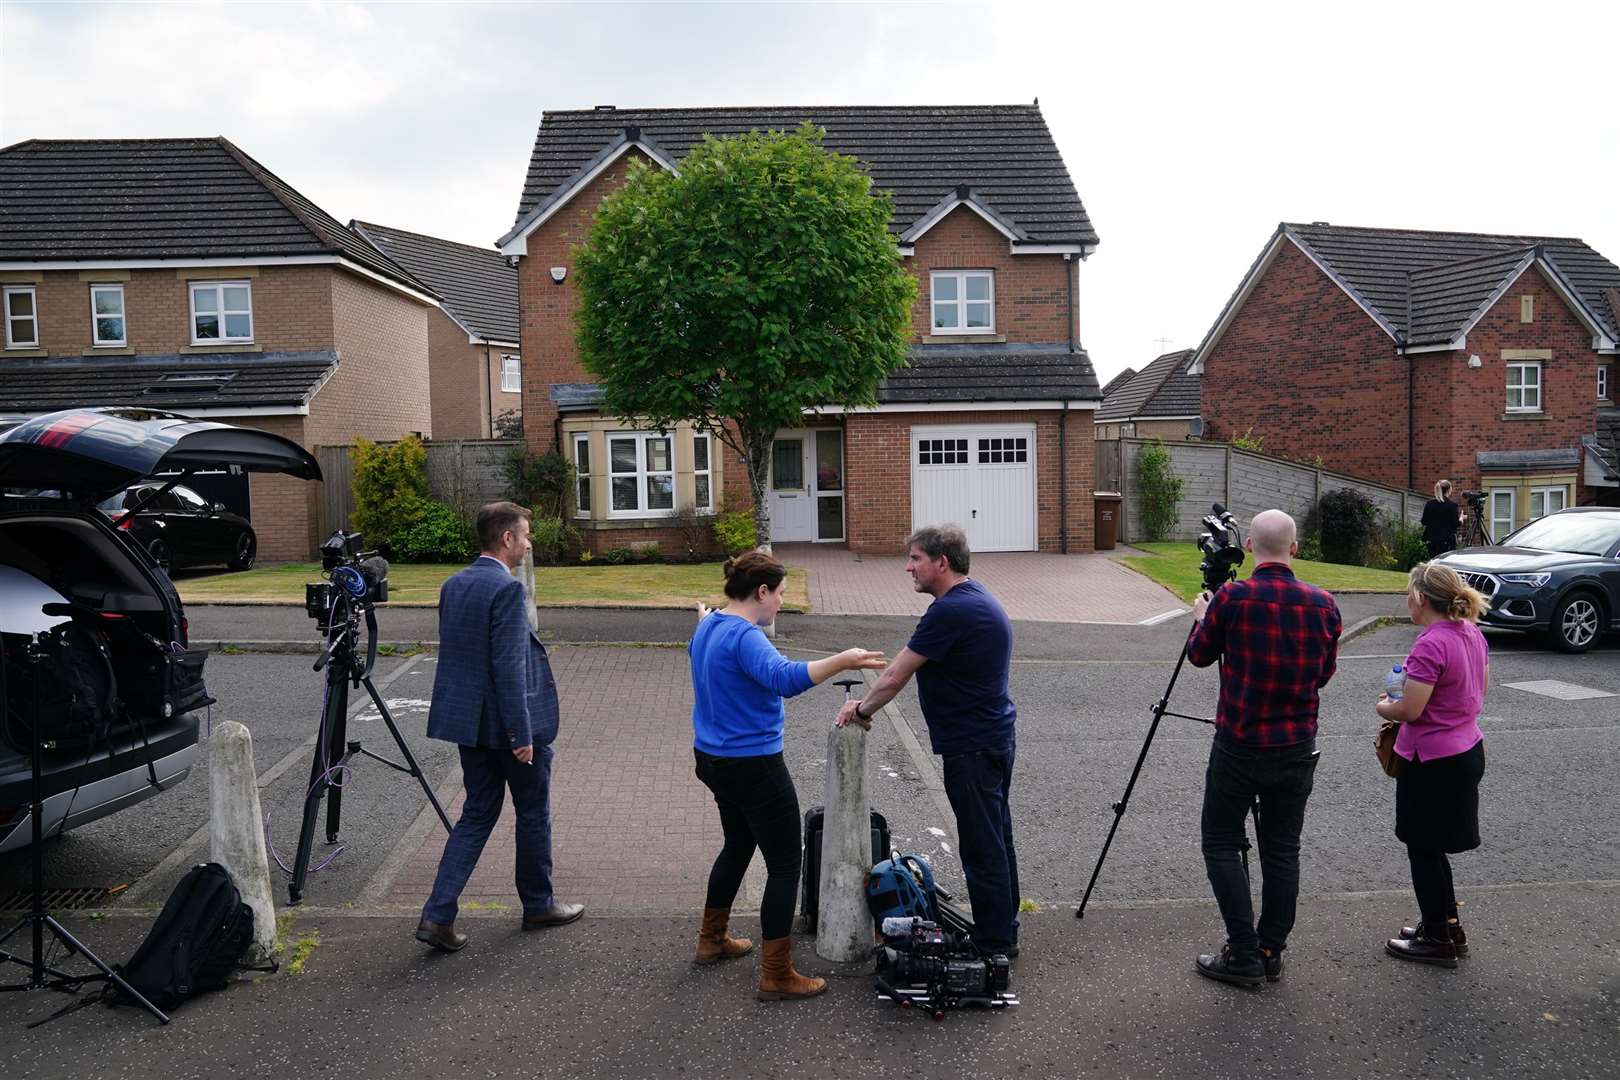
x: 758, y: 461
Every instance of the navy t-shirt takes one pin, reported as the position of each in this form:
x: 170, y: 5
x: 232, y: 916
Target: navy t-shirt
x: 967, y: 641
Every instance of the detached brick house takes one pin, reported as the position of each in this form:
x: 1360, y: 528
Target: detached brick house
x: 977, y: 429
x: 474, y: 362
x: 1406, y: 356
x: 1159, y: 402
x: 182, y: 275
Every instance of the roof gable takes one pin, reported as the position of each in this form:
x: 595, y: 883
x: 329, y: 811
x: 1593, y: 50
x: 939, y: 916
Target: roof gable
x: 920, y: 155
x: 1165, y: 388
x: 130, y: 199
x: 475, y: 285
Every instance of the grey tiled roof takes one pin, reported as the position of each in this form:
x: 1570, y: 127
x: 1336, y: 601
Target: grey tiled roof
x: 1607, y: 439
x: 92, y: 199
x: 945, y: 373
x: 1163, y: 388
x: 919, y: 154
x: 1498, y: 460
x: 475, y: 283
x: 1427, y: 286
x: 180, y: 382
x: 1118, y: 381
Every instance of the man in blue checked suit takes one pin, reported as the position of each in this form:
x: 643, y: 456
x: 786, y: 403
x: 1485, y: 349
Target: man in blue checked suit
x: 494, y: 697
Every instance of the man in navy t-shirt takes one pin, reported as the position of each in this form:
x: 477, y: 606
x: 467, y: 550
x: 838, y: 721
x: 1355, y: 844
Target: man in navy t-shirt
x: 960, y: 653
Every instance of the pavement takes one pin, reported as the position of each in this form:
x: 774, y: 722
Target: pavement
x: 1111, y: 995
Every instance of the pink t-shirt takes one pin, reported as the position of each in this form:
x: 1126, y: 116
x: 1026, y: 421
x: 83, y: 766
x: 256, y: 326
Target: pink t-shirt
x: 1451, y: 656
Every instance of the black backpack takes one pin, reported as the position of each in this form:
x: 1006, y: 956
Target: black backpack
x: 199, y: 939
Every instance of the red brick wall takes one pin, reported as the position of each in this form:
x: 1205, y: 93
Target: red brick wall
x: 462, y: 388
x: 877, y: 449
x: 1030, y: 295
x: 1311, y: 373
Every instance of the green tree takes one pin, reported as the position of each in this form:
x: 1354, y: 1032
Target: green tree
x: 1161, y: 490
x: 757, y: 281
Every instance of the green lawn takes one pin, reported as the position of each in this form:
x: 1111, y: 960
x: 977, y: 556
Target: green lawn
x: 654, y: 585
x: 1175, y: 566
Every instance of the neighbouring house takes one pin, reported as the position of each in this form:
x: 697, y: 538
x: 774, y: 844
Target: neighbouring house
x: 1159, y: 402
x: 181, y: 274
x: 1118, y: 381
x: 474, y: 362
x: 977, y: 429
x: 1405, y: 356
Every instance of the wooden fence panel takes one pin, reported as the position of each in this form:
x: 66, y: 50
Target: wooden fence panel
x: 1109, y: 455
x: 1261, y: 483
x: 463, y: 473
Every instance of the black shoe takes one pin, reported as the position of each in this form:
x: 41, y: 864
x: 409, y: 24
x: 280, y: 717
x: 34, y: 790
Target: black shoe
x: 1459, y: 940
x: 441, y: 936
x: 1423, y: 949
x: 558, y: 914
x: 1227, y: 967
x: 1272, y: 959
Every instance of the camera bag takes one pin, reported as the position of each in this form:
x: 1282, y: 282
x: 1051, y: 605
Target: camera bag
x: 68, y: 696
x: 195, y: 945
x: 902, y: 887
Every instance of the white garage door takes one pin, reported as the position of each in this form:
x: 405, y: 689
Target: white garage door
x: 981, y: 478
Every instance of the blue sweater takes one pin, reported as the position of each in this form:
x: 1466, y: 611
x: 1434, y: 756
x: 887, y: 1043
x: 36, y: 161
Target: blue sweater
x: 738, y: 683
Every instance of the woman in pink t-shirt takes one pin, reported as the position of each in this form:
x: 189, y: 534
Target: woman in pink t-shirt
x: 1442, y: 754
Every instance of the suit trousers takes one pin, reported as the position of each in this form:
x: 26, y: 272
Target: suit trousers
x: 488, y: 774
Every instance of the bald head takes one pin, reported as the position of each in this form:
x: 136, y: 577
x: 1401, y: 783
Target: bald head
x: 1271, y: 535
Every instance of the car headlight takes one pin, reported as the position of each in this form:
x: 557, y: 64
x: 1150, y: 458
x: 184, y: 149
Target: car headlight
x: 1533, y: 580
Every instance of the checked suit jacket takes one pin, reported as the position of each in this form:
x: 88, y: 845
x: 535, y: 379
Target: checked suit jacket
x: 494, y: 686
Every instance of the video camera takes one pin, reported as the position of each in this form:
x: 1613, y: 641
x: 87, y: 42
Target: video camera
x: 1218, y: 539
x: 1475, y: 499
x: 359, y: 577
x: 921, y: 962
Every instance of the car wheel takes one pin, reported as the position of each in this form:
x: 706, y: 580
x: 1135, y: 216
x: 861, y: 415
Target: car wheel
x: 246, y: 548
x: 160, y: 555
x: 1576, y: 622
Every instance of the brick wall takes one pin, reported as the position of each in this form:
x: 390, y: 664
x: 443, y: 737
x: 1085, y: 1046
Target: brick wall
x: 282, y: 507
x: 1030, y: 295
x: 465, y: 379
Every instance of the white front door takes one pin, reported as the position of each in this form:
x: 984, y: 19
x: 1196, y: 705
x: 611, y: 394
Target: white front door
x: 981, y: 478
x: 792, y: 504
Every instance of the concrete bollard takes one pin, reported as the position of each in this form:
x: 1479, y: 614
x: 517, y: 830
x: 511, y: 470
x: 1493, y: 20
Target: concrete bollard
x: 844, y: 924
x: 236, y: 831
x: 525, y: 574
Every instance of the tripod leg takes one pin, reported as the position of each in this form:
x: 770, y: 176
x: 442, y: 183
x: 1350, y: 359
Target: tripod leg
x: 106, y: 972
x: 337, y: 704
x: 334, y: 791
x: 410, y: 759
x: 1119, y: 807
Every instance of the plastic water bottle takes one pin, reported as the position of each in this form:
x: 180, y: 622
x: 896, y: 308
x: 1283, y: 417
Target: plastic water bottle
x: 1395, y: 682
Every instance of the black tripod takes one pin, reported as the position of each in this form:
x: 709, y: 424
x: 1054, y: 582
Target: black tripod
x: 333, y: 749
x: 41, y: 975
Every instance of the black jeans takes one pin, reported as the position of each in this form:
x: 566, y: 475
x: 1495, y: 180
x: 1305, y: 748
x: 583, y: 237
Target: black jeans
x: 758, y: 807
x: 978, y: 785
x: 1281, y: 777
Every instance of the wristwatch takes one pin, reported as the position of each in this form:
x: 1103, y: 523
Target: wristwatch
x: 861, y: 716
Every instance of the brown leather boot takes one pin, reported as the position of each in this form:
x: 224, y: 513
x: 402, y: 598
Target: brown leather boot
x: 777, y: 979
x: 714, y: 943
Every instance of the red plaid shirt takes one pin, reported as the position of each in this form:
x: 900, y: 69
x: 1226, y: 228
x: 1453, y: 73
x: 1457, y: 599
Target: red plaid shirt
x: 1278, y: 642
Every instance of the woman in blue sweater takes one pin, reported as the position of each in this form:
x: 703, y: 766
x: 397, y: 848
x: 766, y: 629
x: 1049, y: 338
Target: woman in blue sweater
x: 738, y: 683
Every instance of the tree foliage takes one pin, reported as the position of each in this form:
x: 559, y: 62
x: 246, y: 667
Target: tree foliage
x: 759, y: 280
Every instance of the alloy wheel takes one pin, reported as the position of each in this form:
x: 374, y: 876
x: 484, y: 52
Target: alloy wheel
x: 160, y: 555
x: 1580, y: 623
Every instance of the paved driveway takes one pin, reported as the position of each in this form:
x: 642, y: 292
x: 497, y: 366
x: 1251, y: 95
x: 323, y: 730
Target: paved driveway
x: 1030, y: 585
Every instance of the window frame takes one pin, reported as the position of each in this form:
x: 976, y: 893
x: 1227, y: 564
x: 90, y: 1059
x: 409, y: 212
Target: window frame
x: 96, y: 339
x: 516, y: 382
x: 1544, y: 491
x: 1523, y: 366
x: 1512, y: 512
x: 5, y: 309
x: 582, y: 476
x: 221, y: 311
x: 961, y: 301
x: 1603, y: 382
x: 708, y: 471
x: 642, y: 473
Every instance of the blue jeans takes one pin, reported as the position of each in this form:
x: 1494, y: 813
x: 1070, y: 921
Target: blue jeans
x: 1281, y: 778
x: 978, y: 786
x: 487, y: 775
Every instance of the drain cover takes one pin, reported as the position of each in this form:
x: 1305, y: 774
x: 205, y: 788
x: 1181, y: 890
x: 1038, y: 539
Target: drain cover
x: 55, y: 899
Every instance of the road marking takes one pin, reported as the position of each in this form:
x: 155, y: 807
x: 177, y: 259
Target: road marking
x: 1162, y: 617
x: 1563, y: 691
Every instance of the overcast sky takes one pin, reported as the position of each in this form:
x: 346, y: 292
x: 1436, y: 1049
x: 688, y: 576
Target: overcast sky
x: 1190, y: 131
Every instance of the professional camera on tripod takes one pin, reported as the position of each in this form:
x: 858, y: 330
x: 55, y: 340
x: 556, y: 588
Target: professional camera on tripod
x: 1473, y: 531
x: 1222, y: 545
x: 356, y: 581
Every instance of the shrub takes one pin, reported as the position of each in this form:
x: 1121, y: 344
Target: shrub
x: 648, y: 553
x: 543, y: 481
x: 1347, y: 520
x: 509, y: 424
x: 438, y: 534
x: 1310, y: 548
x: 390, y: 488
x: 694, y: 535
x: 618, y: 556
x: 1402, y: 543
x: 554, y: 539
x: 1249, y: 441
x: 1161, y: 490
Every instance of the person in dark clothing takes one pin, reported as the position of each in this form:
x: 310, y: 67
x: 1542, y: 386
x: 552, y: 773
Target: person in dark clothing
x: 1277, y: 640
x: 961, y: 653
x: 1441, y: 517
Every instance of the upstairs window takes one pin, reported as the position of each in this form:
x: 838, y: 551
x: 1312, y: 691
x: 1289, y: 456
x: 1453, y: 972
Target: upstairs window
x: 107, y: 315
x: 964, y: 302
x: 221, y: 312
x: 511, y: 374
x: 22, y: 317
x: 1524, y: 386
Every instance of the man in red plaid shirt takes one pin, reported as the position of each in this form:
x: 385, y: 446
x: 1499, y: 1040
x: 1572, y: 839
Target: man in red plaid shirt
x: 1277, y: 640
